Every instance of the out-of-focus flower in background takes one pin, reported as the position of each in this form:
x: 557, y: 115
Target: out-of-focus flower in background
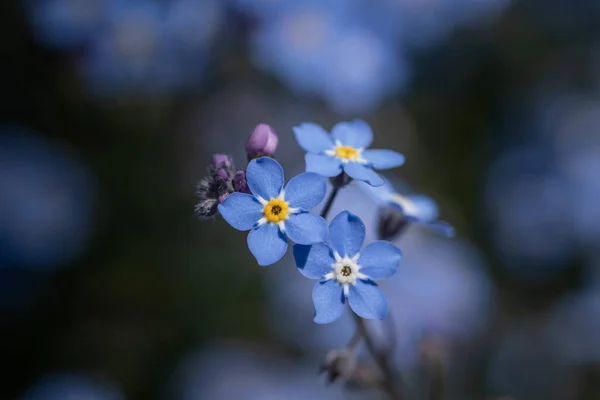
x: 66, y: 24
x: 420, y: 24
x: 527, y: 201
x: 135, y: 46
x: 323, y: 49
x: 46, y: 201
x: 234, y: 371
x: 72, y: 386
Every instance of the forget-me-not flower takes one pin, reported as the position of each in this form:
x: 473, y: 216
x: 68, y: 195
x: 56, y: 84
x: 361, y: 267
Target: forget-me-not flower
x: 345, y: 150
x: 346, y: 272
x: 399, y: 208
x: 272, y: 212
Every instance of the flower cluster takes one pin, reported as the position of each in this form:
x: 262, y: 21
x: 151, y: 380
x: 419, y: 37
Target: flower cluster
x: 257, y: 200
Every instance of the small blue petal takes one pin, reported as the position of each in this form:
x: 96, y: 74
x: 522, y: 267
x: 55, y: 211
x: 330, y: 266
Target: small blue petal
x: 442, y: 227
x: 383, y: 159
x: 420, y: 207
x: 241, y: 211
x: 323, y: 165
x: 346, y: 234
x: 328, y: 297
x: 362, y: 173
x: 306, y: 190
x: 267, y: 244
x: 311, y: 137
x: 379, y: 260
x: 367, y: 300
x: 357, y: 133
x: 265, y: 177
x: 314, y: 261
x: 306, y: 228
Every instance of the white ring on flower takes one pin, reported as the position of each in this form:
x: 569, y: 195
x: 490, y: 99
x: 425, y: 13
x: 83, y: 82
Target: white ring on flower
x: 346, y: 271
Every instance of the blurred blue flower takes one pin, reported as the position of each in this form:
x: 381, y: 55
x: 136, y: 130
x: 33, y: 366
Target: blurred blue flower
x: 346, y: 272
x: 46, y: 202
x: 66, y: 24
x: 422, y: 24
x: 72, y: 387
x: 152, y: 46
x: 234, y: 371
x: 527, y: 200
x: 345, y: 150
x: 398, y: 209
x: 323, y: 48
x: 272, y: 212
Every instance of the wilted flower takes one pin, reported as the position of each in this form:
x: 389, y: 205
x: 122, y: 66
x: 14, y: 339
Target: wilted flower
x: 271, y: 212
x: 347, y: 273
x: 262, y: 142
x: 213, y: 189
x: 344, y: 150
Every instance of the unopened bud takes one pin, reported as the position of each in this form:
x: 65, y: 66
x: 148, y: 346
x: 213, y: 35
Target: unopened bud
x: 262, y: 142
x: 391, y: 223
x: 239, y: 182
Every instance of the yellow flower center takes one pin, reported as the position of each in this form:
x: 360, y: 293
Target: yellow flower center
x: 347, y: 153
x: 276, y: 210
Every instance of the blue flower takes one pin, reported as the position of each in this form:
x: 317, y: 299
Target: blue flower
x: 397, y: 209
x: 344, y: 150
x: 271, y: 212
x: 347, y: 273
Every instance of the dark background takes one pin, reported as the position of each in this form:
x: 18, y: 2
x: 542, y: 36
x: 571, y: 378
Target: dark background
x: 107, y: 274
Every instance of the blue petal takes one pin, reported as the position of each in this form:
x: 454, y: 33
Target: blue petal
x: 346, y: 234
x: 241, y: 211
x: 306, y: 190
x: 323, y: 165
x: 383, y: 159
x: 420, y: 207
x: 328, y: 297
x: 265, y: 177
x: 379, y: 260
x: 362, y: 173
x: 267, y: 244
x: 312, y: 138
x: 367, y: 300
x: 314, y: 261
x: 357, y: 133
x: 306, y: 228
x: 442, y: 227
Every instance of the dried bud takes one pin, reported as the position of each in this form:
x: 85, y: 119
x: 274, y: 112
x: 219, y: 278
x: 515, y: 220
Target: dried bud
x: 213, y: 189
x: 262, y: 142
x: 221, y: 161
x: 391, y: 223
x: 239, y: 182
x: 339, y: 364
x: 222, y: 165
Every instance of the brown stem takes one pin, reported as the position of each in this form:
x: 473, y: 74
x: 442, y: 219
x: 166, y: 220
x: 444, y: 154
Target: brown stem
x: 381, y: 358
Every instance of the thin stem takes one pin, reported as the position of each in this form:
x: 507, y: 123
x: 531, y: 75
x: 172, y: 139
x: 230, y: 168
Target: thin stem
x: 329, y: 202
x: 388, y: 384
x: 381, y: 358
